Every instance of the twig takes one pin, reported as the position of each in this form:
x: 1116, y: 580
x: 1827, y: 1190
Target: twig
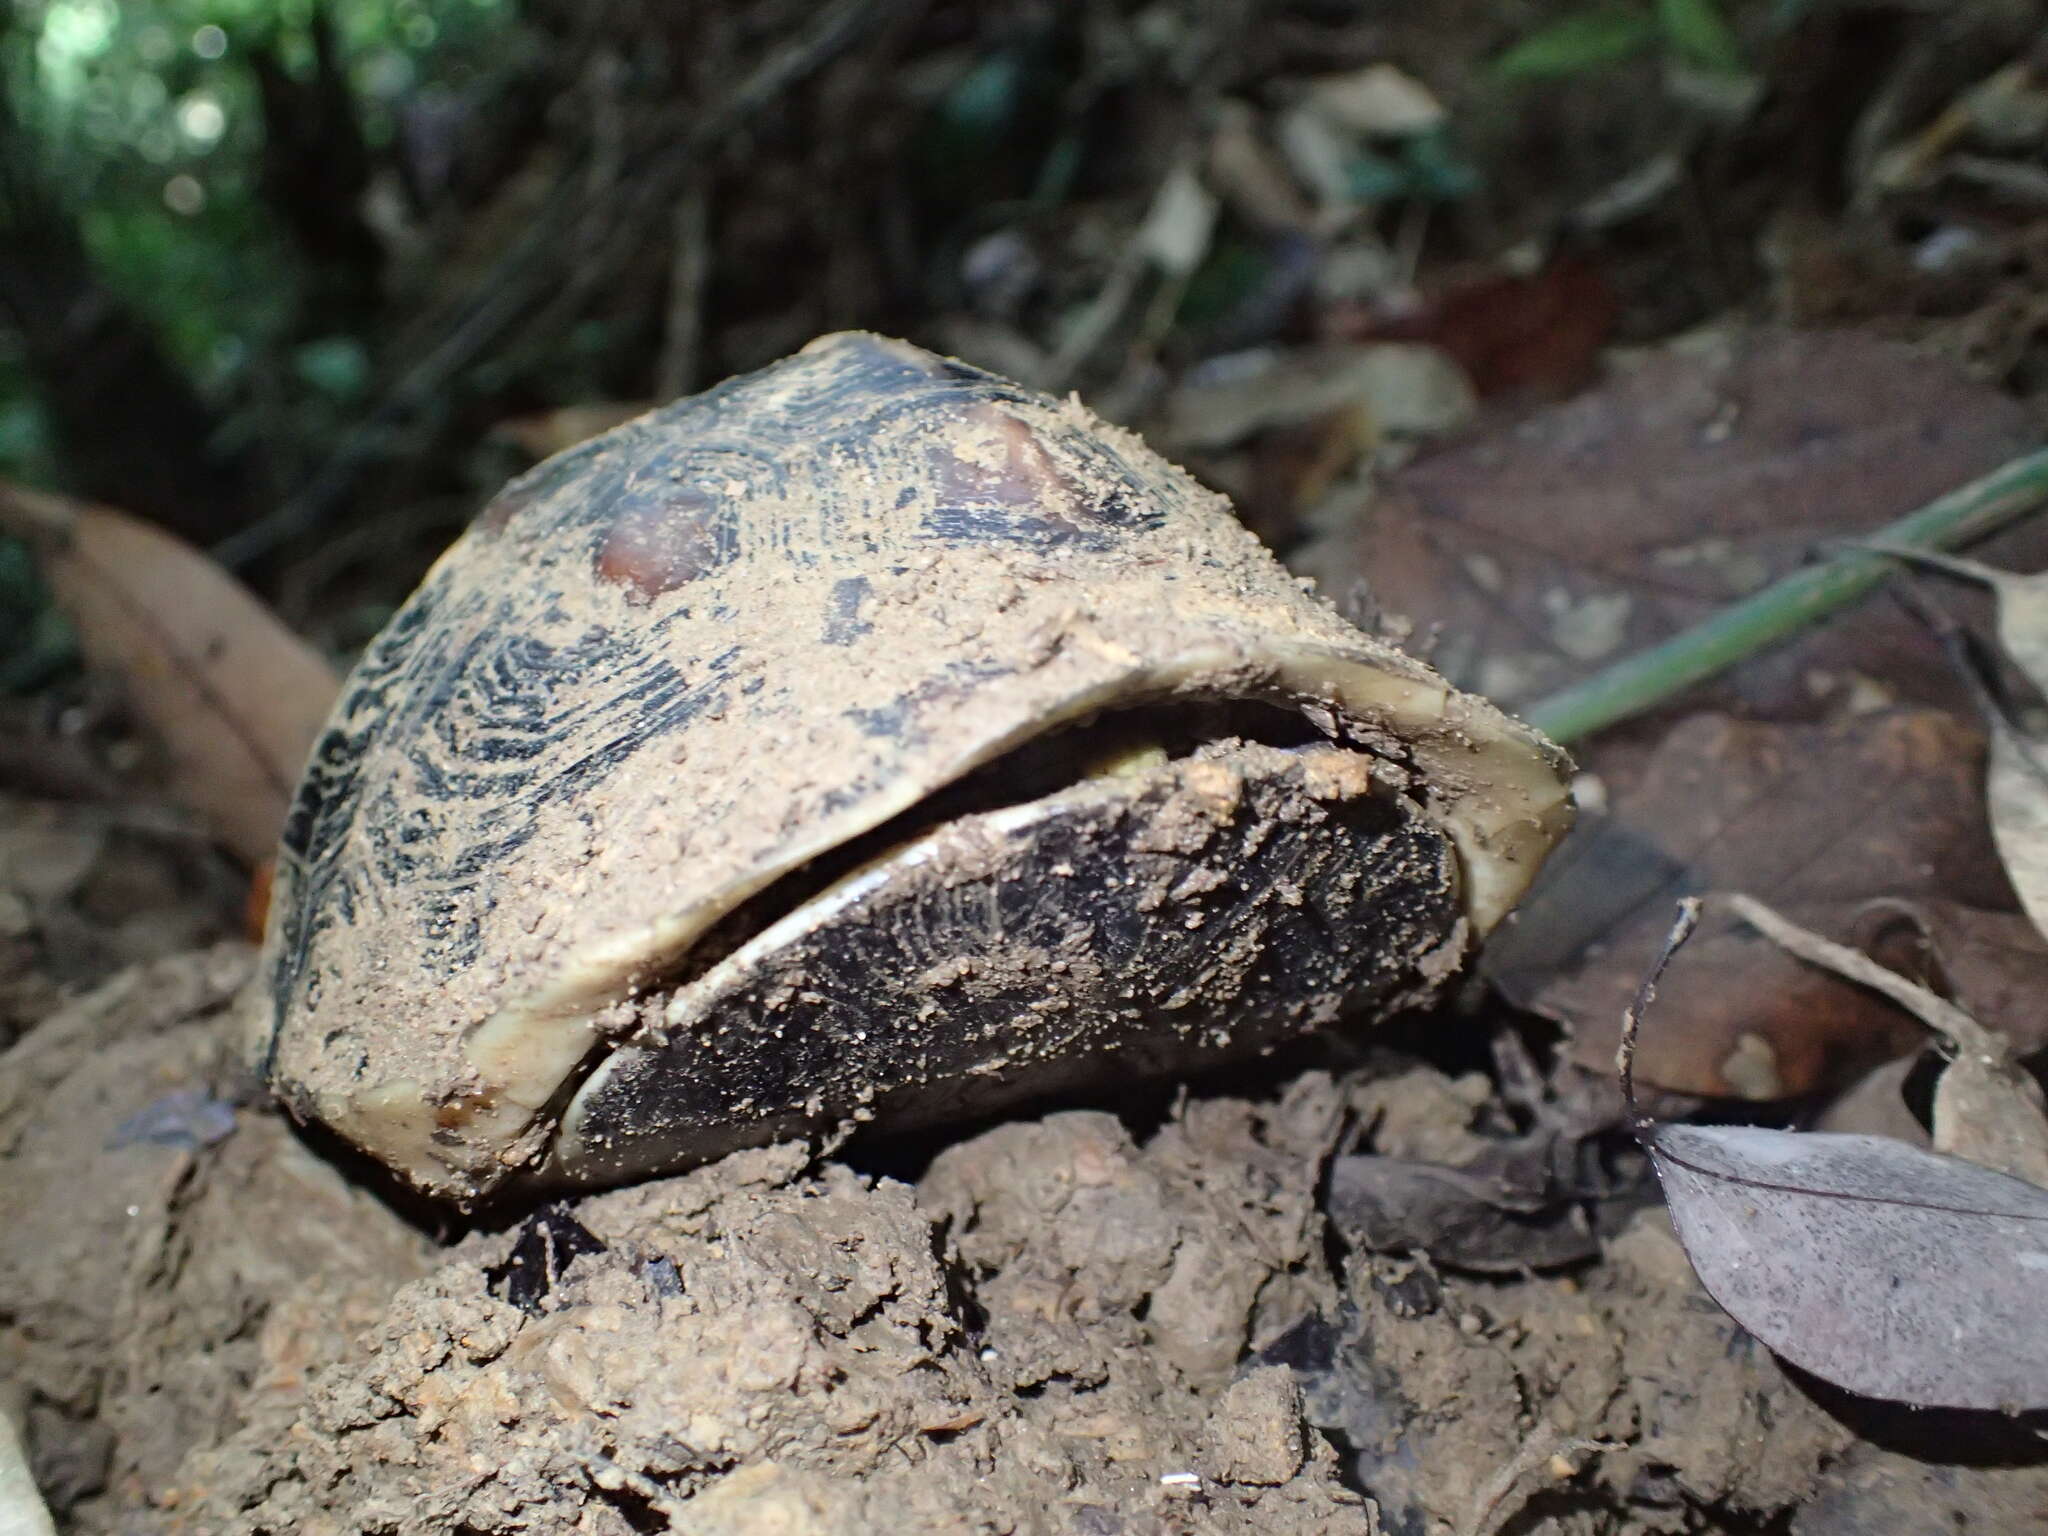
x: 1658, y: 674
x: 1631, y: 1021
x: 1938, y: 1014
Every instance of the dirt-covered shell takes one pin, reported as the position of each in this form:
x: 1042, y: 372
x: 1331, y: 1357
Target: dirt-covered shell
x: 670, y: 666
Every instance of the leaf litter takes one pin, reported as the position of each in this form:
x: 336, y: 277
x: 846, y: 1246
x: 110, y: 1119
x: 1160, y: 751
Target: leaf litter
x: 234, y: 695
x: 2016, y: 777
x: 1893, y: 1272
x: 1987, y: 1108
x: 1817, y: 819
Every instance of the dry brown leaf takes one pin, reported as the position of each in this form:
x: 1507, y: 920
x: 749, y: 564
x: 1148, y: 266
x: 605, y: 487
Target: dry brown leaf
x: 235, y: 697
x: 1524, y: 337
x: 1693, y: 476
x: 1820, y: 820
x: 1987, y: 1108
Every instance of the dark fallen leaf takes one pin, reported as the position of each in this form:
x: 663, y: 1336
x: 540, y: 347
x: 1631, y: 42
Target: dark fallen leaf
x: 1994, y: 965
x: 2021, y: 598
x: 1500, y: 1219
x: 1691, y: 477
x: 1890, y: 1271
x: 547, y: 1245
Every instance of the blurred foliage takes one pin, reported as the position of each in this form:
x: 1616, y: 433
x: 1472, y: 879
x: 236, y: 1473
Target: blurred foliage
x: 146, y: 116
x: 1693, y: 33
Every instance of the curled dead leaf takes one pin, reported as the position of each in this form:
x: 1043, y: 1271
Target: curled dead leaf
x: 235, y: 696
x: 1987, y: 1108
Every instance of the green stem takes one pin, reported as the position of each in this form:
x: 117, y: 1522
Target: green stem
x: 1652, y: 677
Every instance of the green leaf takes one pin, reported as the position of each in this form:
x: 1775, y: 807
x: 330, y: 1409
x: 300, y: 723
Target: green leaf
x: 1584, y: 41
x: 337, y: 366
x: 1376, y: 179
x: 1699, y: 34
x: 1437, y: 171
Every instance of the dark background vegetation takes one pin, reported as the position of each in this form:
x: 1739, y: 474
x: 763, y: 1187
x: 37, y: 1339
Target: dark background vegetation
x: 304, y: 279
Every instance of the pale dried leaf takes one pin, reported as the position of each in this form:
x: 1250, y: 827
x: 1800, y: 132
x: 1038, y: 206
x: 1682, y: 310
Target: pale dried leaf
x: 1378, y: 101
x: 1401, y: 387
x: 1893, y: 1272
x: 1176, y: 231
x: 236, y: 698
x: 2016, y: 786
x: 1250, y: 176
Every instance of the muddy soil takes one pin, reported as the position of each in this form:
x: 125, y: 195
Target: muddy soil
x: 1060, y: 1326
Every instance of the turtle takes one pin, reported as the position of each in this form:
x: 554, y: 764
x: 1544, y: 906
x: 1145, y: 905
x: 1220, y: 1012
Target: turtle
x: 866, y: 738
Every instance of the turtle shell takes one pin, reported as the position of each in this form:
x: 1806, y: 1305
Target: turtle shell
x: 801, y: 650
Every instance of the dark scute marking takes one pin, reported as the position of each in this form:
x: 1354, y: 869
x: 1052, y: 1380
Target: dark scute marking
x: 843, y: 623
x: 549, y: 1242
x: 967, y: 373
x: 659, y: 542
x: 544, y: 479
x: 312, y: 895
x: 993, y: 525
x: 476, y: 705
x: 898, y: 718
x: 886, y: 722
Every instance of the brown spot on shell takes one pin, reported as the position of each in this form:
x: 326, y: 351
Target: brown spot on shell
x: 997, y: 459
x: 993, y: 478
x: 656, y: 546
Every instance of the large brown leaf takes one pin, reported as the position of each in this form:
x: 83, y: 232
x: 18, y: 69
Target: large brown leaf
x: 235, y: 697
x: 1690, y: 478
x: 1820, y: 820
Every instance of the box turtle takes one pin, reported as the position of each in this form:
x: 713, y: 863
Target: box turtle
x: 866, y: 737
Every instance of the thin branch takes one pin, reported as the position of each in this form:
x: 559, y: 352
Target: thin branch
x: 1659, y: 674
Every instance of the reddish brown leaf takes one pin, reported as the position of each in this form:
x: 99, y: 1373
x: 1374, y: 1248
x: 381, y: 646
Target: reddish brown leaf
x: 235, y: 697
x: 1695, y: 475
x: 1535, y: 337
x: 1818, y: 821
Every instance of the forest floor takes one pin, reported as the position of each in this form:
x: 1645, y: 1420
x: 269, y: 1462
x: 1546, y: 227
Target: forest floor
x: 1706, y: 324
